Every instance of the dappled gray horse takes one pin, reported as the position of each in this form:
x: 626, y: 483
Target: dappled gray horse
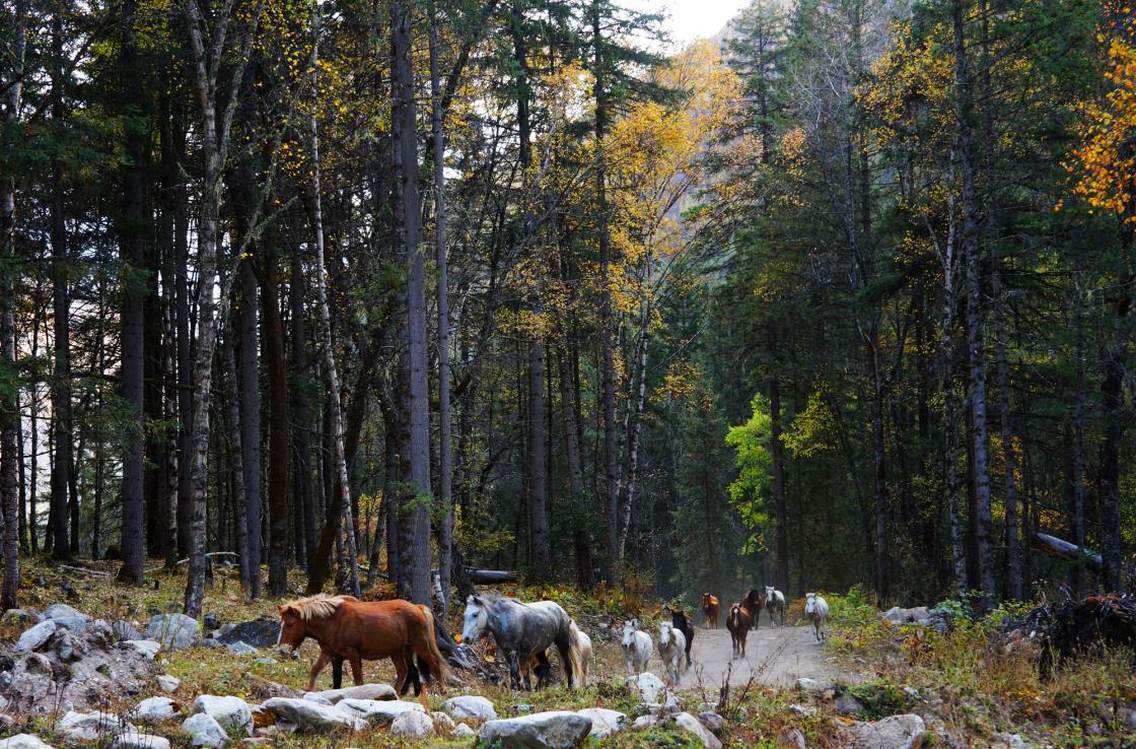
x: 816, y: 609
x: 523, y: 631
x: 775, y: 602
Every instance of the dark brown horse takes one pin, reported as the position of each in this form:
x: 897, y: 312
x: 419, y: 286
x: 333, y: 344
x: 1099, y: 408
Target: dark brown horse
x: 752, y: 604
x: 738, y: 622
x: 710, y: 609
x: 351, y: 630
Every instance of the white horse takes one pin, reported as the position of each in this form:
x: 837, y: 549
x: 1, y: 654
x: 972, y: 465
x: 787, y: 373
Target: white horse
x: 636, y: 647
x: 816, y: 609
x: 672, y: 648
x: 774, y: 602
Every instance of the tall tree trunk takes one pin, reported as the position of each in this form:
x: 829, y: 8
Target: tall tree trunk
x: 302, y: 414
x: 974, y: 323
x: 279, y: 424
x: 327, y: 344
x: 132, y: 237
x: 247, y: 391
x: 777, y: 453
x: 635, y: 416
x: 239, y: 473
x: 408, y: 210
x: 61, y: 312
x: 445, y: 429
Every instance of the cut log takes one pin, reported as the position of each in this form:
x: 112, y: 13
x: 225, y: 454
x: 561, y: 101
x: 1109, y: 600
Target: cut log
x: 1062, y: 549
x: 493, y: 577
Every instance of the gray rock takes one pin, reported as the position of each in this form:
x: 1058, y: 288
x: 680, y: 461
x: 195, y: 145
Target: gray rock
x: 521, y: 708
x: 604, y: 722
x: 173, y: 631
x: 442, y: 722
x: 896, y: 732
x: 124, y: 630
x: 67, y: 646
x: 647, y: 686
x: 714, y: 723
x: 692, y: 725
x: 804, y: 711
x: 212, y: 621
x: 312, y: 717
x: 846, y: 704
x: 462, y: 731
x: 1008, y: 741
x: 361, y: 692
x: 558, y: 729
x: 645, y: 721
x: 147, y: 648
x: 261, y: 633
x: 134, y: 740
x: 232, y: 713
x: 36, y: 636
x: 203, y: 730
x: 810, y: 685
x: 67, y: 617
x: 168, y: 683
x: 376, y: 712
x: 266, y: 661
x: 792, y: 737
x: 23, y: 741
x: 241, y: 648
x: 210, y: 642
x: 470, y: 706
x: 412, y: 725
x: 154, y: 710
x: 76, y: 726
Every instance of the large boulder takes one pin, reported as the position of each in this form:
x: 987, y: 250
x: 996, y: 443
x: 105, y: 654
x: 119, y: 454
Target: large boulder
x: 173, y: 631
x: 203, y: 730
x: 312, y: 717
x: 23, y: 741
x: 232, y: 713
x: 124, y: 630
x: 168, y: 683
x: 34, y: 637
x: 361, y: 692
x: 376, y: 712
x: 647, y: 686
x: 145, y: 648
x: 134, y: 740
x: 895, y: 732
x: 154, y: 710
x: 412, y: 725
x: 470, y: 706
x: 76, y: 726
x: 67, y: 617
x: 692, y: 725
x: 557, y: 729
x: 260, y: 633
x: 604, y: 722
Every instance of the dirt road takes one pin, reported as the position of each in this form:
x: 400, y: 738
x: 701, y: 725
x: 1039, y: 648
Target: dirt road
x: 776, y: 656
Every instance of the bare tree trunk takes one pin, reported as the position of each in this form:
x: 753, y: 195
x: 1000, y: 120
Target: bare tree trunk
x: 777, y: 453
x: 975, y: 336
x: 445, y: 428
x: 635, y: 415
x: 327, y: 344
x: 246, y: 390
x: 279, y: 424
x: 237, y: 435
x: 301, y: 413
x: 404, y: 137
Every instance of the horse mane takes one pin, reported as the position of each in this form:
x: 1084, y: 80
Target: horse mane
x: 319, y: 606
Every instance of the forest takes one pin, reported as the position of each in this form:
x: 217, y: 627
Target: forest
x: 389, y: 292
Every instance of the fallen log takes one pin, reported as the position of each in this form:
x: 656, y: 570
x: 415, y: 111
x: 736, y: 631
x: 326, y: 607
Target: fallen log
x: 492, y: 577
x: 1062, y: 549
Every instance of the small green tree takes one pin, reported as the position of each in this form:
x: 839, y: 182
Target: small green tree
x: 749, y: 492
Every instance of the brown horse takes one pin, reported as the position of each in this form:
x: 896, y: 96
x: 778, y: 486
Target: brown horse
x: 738, y: 622
x: 353, y: 630
x: 710, y: 609
x: 752, y: 604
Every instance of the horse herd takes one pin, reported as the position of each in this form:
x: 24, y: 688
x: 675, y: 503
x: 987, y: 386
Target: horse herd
x: 351, y: 630
x: 745, y: 614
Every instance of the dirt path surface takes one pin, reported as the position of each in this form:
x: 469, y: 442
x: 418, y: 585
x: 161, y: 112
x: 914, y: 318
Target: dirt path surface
x: 775, y: 656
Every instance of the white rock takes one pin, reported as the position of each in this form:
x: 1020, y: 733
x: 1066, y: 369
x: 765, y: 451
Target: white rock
x: 134, y: 740
x: 204, y: 730
x: 413, y: 725
x: 361, y: 692
x: 313, y: 717
x: 241, y: 648
x: 23, y: 741
x: 232, y: 713
x: 690, y: 724
x: 442, y: 722
x: 148, y: 648
x: 461, y: 731
x: 76, y: 726
x: 647, y: 686
x: 67, y: 617
x: 557, y: 729
x: 168, y: 683
x: 35, y: 636
x: 376, y: 712
x: 604, y: 722
x: 644, y: 721
x: 154, y: 710
x: 174, y: 631
x: 896, y: 732
x: 809, y: 685
x: 470, y: 706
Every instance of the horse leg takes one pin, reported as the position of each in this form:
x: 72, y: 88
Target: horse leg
x: 515, y: 671
x: 321, y: 661
x: 543, y: 668
x: 336, y: 672
x: 357, y: 669
x: 399, y: 661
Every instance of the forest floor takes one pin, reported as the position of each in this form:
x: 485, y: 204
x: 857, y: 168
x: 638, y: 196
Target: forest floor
x: 775, y: 657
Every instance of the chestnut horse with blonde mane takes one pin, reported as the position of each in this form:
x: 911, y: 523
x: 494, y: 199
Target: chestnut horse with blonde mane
x: 351, y: 630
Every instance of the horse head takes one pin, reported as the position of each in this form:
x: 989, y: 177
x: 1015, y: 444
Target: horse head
x: 753, y: 599
x: 475, y: 619
x: 769, y: 592
x: 628, y: 632
x: 810, y: 603
x: 665, y: 634
x: 292, y: 627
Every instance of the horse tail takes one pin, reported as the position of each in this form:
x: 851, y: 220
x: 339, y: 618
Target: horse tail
x: 575, y: 654
x: 432, y: 644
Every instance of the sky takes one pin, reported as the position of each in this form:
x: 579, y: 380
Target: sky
x: 692, y: 19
